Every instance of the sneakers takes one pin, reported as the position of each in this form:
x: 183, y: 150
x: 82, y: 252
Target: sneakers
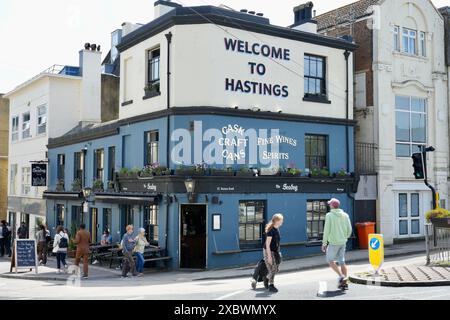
x: 273, y: 289
x: 253, y: 284
x: 266, y: 283
x: 139, y: 274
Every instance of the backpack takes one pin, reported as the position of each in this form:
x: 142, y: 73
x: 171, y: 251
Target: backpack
x: 5, y: 232
x: 63, y: 243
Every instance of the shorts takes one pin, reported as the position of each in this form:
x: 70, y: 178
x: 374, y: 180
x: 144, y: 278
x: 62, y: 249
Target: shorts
x: 336, y: 253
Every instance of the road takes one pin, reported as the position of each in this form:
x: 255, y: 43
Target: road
x: 303, y: 285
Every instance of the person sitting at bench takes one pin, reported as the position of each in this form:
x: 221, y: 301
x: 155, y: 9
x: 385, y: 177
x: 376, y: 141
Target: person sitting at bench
x: 141, y: 243
x: 106, y: 238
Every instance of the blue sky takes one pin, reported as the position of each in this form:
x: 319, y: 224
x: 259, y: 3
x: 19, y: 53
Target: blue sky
x: 36, y: 34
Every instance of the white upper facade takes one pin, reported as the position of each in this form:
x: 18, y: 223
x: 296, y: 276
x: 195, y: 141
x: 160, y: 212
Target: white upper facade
x: 229, y: 67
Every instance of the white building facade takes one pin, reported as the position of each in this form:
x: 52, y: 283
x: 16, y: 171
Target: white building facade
x: 402, y: 103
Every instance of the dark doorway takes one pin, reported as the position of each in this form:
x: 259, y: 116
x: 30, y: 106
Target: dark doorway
x: 193, y: 236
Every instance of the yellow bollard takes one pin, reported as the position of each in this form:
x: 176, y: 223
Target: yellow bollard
x: 376, y: 251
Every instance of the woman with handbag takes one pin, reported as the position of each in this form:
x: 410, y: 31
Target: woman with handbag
x: 271, y: 250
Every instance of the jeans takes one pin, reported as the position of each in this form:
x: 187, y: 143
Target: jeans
x: 140, y: 262
x: 128, y: 264
x: 60, y: 258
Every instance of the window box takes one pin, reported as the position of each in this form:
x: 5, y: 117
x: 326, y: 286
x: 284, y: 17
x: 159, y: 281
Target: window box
x: 441, y: 222
x: 222, y: 172
x: 60, y: 185
x: 320, y: 173
x: 245, y: 173
x: 190, y: 171
x: 316, y: 98
x: 127, y: 173
x: 76, y: 185
x: 290, y: 172
x: 151, y: 90
x: 97, y: 186
x: 111, y: 186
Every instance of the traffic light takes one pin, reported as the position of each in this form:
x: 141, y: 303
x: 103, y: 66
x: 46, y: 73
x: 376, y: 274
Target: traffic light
x: 418, y: 166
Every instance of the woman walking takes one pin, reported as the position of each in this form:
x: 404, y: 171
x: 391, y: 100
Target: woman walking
x: 60, y: 244
x: 41, y: 238
x: 271, y: 250
x: 141, y: 242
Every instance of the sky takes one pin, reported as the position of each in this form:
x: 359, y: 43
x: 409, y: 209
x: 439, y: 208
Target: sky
x: 36, y: 34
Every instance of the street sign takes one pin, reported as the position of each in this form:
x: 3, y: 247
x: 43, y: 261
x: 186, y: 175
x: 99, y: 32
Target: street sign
x: 376, y: 251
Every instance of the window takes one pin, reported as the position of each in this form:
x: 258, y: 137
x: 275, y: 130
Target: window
x: 26, y: 180
x: 360, y: 90
x: 151, y: 147
x: 15, y: 128
x: 396, y: 38
x: 61, y: 168
x: 111, y: 163
x: 251, y: 223
x: 410, y: 125
x: 41, y: 119
x: 316, y: 211
x: 314, y: 79
x: 107, y: 219
x: 409, y: 41
x: 77, y: 217
x: 151, y: 223
x: 316, y: 152
x: 13, y: 179
x: 98, y: 164
x: 78, y: 166
x: 126, y: 217
x: 423, y: 45
x: 153, y: 69
x: 60, y: 214
x: 26, y: 125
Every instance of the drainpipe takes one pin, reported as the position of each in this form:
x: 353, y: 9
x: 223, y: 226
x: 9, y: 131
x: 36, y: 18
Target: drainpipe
x: 169, y: 41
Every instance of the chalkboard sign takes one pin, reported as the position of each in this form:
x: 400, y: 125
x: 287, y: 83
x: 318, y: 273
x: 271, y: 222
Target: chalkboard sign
x: 24, y: 255
x: 38, y: 174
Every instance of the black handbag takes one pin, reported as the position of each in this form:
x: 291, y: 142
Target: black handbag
x: 277, y: 256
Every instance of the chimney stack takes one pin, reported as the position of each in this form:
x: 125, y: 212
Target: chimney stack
x: 90, y: 89
x: 164, y: 6
x: 303, y: 18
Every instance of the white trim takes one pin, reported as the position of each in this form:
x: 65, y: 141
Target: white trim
x: 411, y: 186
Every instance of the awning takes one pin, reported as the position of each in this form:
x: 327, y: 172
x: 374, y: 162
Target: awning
x: 128, y: 198
x: 62, y: 195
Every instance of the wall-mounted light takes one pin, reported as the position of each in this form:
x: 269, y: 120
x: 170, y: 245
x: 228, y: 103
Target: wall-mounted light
x: 87, y: 192
x: 190, y: 190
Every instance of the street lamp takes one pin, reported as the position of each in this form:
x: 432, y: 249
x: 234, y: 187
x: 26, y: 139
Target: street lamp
x: 190, y: 189
x: 87, y: 192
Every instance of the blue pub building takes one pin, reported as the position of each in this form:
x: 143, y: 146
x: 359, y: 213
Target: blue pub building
x: 225, y: 120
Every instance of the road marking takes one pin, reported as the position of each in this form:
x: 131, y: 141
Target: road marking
x: 397, y: 295
x: 322, y: 289
x: 435, y: 296
x: 229, y: 295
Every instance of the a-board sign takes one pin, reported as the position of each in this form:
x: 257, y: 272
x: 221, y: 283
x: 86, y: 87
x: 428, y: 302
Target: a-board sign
x: 24, y: 254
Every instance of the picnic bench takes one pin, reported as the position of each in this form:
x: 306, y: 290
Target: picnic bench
x: 99, y: 252
x: 151, y: 254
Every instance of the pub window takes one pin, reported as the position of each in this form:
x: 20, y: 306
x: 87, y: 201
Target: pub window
x: 98, y: 164
x: 26, y: 133
x: 107, y: 220
x: 111, y: 163
x: 251, y: 223
x: 151, y: 147
x: 78, y: 166
x: 60, y: 214
x: 153, y: 65
x: 314, y: 77
x: 41, y: 119
x: 15, y: 128
x: 61, y: 168
x: 77, y: 217
x: 316, y: 152
x: 316, y: 211
x: 151, y: 224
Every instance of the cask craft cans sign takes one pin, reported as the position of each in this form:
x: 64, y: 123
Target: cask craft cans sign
x: 38, y: 174
x: 230, y: 144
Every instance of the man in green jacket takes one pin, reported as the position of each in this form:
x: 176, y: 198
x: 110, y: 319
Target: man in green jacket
x: 337, y: 230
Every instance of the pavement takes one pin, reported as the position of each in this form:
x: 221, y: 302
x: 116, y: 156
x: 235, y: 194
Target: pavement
x: 49, y: 272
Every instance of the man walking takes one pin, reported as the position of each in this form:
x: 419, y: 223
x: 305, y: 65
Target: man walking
x: 83, y: 240
x: 128, y: 244
x: 337, y: 230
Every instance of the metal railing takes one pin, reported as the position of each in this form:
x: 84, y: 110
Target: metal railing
x: 365, y: 158
x: 437, y: 241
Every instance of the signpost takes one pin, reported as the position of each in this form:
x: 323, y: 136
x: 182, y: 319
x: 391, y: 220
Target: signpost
x: 376, y: 251
x: 24, y: 255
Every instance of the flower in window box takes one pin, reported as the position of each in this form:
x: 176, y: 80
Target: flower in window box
x: 97, y: 186
x: 76, y: 185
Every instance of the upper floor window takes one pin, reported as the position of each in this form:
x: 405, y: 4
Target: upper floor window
x: 111, y: 163
x: 316, y: 155
x: 409, y: 41
x: 41, y: 119
x: 153, y: 66
x: 61, y: 167
x: 396, y: 38
x: 410, y: 125
x: 423, y: 44
x: 12, y: 179
x: 26, y: 125
x: 78, y: 166
x: 151, y: 147
x: 15, y: 128
x: 26, y: 180
x: 314, y: 77
x: 98, y: 163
